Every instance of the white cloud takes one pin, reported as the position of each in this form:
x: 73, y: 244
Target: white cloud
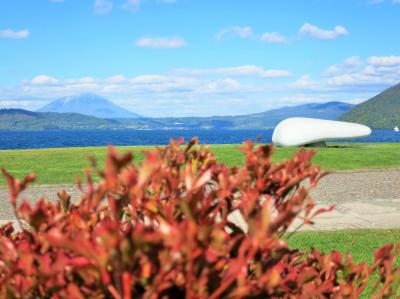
x: 246, y: 32
x: 222, y: 85
x: 208, y: 91
x: 234, y: 31
x: 273, y: 38
x: 44, y: 80
x: 81, y: 81
x: 375, y: 69
x: 13, y: 34
x: 388, y: 61
x: 305, y: 82
x: 151, y: 94
x: 384, y: 1
x: 244, y: 70
x: 132, y: 5
x: 161, y: 42
x: 347, y: 65
x: 16, y: 104
x: 354, y: 73
x: 117, y: 79
x: 352, y: 61
x: 103, y: 7
x: 318, y: 33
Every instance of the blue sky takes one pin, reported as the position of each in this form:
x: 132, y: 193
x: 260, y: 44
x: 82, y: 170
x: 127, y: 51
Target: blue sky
x: 198, y: 57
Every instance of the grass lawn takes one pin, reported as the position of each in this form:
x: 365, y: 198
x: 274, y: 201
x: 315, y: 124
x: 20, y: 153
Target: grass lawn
x: 361, y: 244
x: 62, y: 165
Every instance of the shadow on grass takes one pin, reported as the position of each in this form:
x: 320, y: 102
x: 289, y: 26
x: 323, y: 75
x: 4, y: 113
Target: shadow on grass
x: 323, y: 144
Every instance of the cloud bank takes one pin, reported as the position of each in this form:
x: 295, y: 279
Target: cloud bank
x: 227, y: 90
x: 161, y: 42
x: 14, y: 34
x: 323, y: 34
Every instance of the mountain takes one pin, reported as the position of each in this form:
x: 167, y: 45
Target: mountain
x: 270, y: 118
x: 264, y: 120
x: 19, y: 119
x: 380, y: 112
x: 89, y: 104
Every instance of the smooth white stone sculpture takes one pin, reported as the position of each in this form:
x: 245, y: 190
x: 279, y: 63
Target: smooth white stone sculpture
x: 299, y: 131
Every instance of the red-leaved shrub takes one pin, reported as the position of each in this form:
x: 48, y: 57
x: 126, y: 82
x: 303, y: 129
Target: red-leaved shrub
x: 181, y: 225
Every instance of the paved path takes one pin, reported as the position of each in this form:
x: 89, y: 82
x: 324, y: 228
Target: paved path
x: 364, y: 199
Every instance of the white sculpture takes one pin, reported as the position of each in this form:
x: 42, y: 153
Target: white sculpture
x: 299, y: 131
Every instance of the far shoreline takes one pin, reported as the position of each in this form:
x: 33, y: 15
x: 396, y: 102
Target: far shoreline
x: 32, y: 139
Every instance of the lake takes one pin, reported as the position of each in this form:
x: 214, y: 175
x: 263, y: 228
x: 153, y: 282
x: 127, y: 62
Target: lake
x: 77, y: 138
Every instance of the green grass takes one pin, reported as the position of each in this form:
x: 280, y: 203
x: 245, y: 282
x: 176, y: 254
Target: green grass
x: 361, y: 244
x: 62, y: 165
x: 355, y: 156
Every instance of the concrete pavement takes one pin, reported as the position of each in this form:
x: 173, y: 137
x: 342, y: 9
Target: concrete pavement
x: 364, y: 200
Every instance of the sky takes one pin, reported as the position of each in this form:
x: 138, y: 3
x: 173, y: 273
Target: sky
x: 198, y: 57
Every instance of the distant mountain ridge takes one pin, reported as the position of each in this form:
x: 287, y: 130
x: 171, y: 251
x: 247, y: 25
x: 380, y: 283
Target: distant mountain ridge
x: 264, y: 120
x: 19, y: 119
x: 380, y: 112
x: 330, y: 110
x: 90, y: 111
x: 89, y: 104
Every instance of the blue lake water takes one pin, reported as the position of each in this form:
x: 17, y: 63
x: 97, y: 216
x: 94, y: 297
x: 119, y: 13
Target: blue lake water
x: 66, y: 138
